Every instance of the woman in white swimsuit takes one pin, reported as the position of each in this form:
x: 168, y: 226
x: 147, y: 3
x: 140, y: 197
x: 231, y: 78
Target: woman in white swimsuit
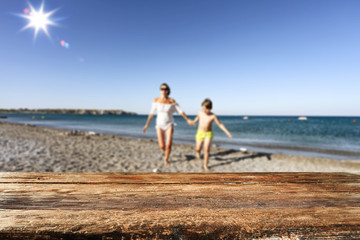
x: 165, y: 107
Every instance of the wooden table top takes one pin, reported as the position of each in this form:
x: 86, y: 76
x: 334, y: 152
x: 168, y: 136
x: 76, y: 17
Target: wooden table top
x: 179, y: 205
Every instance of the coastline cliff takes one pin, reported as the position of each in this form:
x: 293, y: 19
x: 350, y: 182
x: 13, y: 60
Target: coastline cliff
x: 68, y: 111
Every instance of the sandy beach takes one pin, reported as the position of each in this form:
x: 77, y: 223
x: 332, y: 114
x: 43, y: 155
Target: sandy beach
x: 26, y: 148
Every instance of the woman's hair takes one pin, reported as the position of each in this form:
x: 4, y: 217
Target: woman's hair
x: 207, y: 103
x: 167, y: 86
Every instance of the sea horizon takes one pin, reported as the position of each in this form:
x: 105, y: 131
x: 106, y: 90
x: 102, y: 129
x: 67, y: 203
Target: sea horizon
x: 4, y: 111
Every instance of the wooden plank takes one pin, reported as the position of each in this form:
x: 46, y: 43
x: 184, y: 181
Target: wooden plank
x: 178, y: 178
x: 179, y: 206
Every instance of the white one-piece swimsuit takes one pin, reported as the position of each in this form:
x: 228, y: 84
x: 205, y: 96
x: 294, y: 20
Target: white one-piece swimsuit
x: 165, y: 113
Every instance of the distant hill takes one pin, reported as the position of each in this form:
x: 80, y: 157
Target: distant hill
x: 68, y: 111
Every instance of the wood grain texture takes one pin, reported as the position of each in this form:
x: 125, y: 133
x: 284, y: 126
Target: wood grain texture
x: 179, y: 205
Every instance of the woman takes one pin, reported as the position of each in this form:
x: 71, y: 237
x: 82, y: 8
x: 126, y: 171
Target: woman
x: 165, y: 107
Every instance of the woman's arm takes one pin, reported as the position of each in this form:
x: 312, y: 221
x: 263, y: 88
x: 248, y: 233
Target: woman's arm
x: 151, y: 115
x: 191, y: 123
x: 222, y: 126
x: 148, y: 122
x: 178, y: 110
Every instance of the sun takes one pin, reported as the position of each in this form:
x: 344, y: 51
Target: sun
x: 38, y: 19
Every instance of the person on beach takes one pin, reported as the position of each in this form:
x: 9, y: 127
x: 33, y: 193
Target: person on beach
x: 204, y: 133
x: 165, y: 107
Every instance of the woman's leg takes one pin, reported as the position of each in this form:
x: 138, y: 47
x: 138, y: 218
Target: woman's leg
x: 207, y: 143
x: 169, y: 137
x: 160, y: 135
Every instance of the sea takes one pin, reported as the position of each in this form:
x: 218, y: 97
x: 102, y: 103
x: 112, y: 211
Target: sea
x: 327, y: 137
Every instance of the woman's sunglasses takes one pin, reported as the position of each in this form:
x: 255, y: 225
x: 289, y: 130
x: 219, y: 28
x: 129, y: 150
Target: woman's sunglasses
x: 164, y: 89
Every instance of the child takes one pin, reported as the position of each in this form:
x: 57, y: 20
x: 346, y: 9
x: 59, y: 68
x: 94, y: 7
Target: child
x: 204, y: 133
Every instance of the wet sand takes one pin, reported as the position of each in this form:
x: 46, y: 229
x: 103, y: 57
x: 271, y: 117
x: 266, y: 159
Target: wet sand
x: 25, y: 148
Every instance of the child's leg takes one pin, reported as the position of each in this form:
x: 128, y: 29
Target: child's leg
x: 169, y: 137
x: 207, y: 143
x: 198, y: 148
x: 161, y: 141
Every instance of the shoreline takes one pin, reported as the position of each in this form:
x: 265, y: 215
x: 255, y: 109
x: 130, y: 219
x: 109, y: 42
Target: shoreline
x: 289, y: 150
x: 28, y: 148
x: 250, y: 146
x: 339, y: 149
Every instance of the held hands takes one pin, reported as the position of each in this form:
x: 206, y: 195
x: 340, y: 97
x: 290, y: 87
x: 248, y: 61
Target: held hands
x: 191, y: 123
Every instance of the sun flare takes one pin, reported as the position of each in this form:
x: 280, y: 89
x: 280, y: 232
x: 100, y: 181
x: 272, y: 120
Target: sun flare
x: 38, y: 19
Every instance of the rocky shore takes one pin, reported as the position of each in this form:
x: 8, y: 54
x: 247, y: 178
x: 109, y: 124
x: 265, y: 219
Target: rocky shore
x: 67, y: 111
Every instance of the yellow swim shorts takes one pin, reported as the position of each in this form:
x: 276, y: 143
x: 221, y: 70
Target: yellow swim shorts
x: 201, y: 135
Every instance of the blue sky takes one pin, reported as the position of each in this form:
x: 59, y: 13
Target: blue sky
x: 251, y: 57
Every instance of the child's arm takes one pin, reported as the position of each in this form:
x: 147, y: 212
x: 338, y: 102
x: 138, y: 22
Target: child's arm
x: 196, y: 119
x: 222, y: 126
